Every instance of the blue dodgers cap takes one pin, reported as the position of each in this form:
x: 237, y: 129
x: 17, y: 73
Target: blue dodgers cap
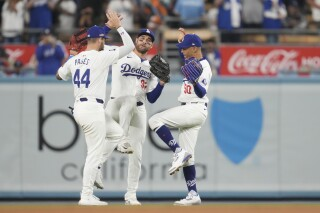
x: 96, y: 32
x: 190, y: 40
x: 146, y: 32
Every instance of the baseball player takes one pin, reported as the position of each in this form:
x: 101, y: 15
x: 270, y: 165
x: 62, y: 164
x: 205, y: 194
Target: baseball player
x: 193, y: 101
x: 132, y: 80
x: 88, y: 71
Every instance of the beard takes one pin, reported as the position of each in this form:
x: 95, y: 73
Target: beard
x: 142, y: 50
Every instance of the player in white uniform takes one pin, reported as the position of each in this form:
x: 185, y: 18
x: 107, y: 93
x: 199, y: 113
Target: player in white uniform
x: 88, y: 71
x: 193, y: 101
x: 131, y: 77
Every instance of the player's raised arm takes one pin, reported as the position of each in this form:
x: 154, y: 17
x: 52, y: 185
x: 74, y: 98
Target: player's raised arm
x: 114, y: 22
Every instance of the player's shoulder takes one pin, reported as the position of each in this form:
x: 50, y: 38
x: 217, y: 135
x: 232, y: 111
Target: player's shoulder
x: 145, y: 63
x: 205, y: 63
x: 131, y: 58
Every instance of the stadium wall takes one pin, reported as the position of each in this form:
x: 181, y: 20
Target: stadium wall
x: 261, y: 139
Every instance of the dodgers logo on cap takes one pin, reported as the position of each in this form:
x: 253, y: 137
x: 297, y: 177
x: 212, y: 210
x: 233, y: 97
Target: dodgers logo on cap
x: 147, y: 32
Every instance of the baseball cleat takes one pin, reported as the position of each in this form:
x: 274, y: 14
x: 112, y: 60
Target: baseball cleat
x: 132, y: 202
x: 91, y: 200
x: 125, y: 148
x: 99, y: 180
x: 179, y: 160
x: 192, y: 198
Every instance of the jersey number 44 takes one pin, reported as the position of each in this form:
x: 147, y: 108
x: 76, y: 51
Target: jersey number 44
x: 84, y: 79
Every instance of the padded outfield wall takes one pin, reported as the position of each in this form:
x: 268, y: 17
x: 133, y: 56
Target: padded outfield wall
x: 261, y: 139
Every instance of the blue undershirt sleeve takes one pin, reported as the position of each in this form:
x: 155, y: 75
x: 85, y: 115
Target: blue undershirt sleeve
x: 199, y: 90
x: 155, y: 93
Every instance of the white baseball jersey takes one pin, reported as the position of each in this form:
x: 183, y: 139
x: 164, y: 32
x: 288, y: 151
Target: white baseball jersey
x: 187, y: 93
x: 131, y: 76
x: 89, y: 72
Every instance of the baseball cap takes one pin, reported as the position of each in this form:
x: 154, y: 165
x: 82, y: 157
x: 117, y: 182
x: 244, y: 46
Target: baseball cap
x: 46, y: 32
x: 190, y: 40
x: 96, y: 32
x: 146, y: 32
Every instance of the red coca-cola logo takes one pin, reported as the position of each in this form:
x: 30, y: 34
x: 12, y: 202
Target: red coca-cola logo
x: 270, y: 63
x: 268, y: 60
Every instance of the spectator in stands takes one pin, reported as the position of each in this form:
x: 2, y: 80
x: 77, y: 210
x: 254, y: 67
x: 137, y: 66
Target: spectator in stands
x: 295, y: 19
x: 50, y: 54
x: 40, y: 12
x: 190, y: 12
x: 274, y: 13
x: 171, y: 19
x: 66, y: 14
x: 157, y: 19
x: 252, y: 13
x: 145, y: 14
x: 4, y: 61
x: 229, y: 18
x: 315, y: 9
x: 212, y: 17
x: 12, y: 20
x: 127, y: 9
x: 89, y: 12
x: 212, y: 53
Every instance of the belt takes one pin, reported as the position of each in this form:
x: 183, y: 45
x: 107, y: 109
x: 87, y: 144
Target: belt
x: 139, y: 103
x: 184, y: 103
x: 100, y: 101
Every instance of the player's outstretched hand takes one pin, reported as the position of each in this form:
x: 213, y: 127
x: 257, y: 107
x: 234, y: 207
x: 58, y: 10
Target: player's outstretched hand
x: 181, y: 34
x: 114, y: 19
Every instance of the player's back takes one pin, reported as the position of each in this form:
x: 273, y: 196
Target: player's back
x: 89, y: 72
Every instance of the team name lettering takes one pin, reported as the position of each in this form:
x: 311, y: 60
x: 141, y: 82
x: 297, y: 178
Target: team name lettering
x: 128, y: 71
x: 84, y: 61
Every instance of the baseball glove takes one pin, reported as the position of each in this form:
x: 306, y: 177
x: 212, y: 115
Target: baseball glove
x: 160, y: 68
x: 78, y: 41
x: 192, y: 70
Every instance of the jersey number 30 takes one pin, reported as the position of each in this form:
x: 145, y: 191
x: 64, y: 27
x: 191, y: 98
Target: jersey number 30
x: 187, y: 89
x: 85, y: 78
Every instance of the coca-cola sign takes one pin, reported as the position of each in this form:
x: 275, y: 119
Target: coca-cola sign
x: 267, y: 60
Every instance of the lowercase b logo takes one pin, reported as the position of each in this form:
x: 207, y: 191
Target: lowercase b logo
x: 236, y: 126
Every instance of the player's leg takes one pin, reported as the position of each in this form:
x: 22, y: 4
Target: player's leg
x: 176, y: 117
x: 188, y: 139
x: 137, y: 133
x: 88, y: 116
x: 114, y: 136
x: 128, y: 105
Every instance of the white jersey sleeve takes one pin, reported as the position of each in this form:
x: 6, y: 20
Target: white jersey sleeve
x: 187, y: 93
x: 64, y: 71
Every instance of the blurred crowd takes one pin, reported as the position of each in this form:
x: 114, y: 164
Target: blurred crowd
x: 26, y: 20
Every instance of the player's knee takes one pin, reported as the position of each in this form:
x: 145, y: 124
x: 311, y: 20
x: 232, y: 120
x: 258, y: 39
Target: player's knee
x: 154, y: 122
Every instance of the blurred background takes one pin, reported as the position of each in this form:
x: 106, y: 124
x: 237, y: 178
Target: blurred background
x: 261, y: 138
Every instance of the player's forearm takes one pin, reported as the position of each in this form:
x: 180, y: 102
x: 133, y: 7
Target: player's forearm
x: 199, y: 90
x: 155, y: 93
x: 128, y: 44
